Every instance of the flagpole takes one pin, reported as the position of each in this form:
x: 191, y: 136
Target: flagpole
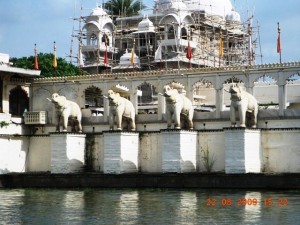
x: 279, y: 43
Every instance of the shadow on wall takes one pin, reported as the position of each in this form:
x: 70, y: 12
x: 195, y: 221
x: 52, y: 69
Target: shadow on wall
x: 129, y: 166
x: 4, y: 171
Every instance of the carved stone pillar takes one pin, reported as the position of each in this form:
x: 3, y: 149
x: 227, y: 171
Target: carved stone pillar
x: 282, y: 99
x: 219, y: 102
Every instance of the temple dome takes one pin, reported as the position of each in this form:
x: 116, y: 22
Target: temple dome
x: 98, y: 11
x: 178, y: 6
x: 171, y: 6
x: 126, y: 58
x: 146, y: 25
x: 210, y: 7
x: 233, y: 16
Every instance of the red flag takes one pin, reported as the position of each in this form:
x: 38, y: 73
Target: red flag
x: 106, y: 57
x: 278, y: 41
x: 189, y: 51
x: 105, y: 54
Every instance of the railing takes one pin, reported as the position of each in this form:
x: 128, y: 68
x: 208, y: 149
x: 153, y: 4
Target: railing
x: 38, y: 117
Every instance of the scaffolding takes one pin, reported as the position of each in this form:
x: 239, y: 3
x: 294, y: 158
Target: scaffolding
x: 206, y: 34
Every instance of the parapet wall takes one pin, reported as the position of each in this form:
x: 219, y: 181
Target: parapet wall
x: 277, y: 151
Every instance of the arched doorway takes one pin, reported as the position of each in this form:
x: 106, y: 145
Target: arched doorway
x: 18, y: 101
x: 94, y: 100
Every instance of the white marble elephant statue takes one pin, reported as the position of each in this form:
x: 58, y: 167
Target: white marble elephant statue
x: 66, y: 109
x: 120, y: 109
x: 178, y: 105
x: 244, y: 103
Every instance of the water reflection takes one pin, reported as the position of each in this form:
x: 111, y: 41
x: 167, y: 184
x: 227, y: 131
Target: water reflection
x: 11, y: 199
x: 148, y: 206
x: 252, y: 203
x: 127, y: 210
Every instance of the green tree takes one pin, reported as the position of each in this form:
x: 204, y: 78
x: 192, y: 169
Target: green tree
x: 45, y: 61
x: 124, y: 7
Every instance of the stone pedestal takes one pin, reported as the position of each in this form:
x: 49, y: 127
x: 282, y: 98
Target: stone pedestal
x: 120, y: 152
x: 178, y: 149
x: 67, y: 152
x: 242, y: 150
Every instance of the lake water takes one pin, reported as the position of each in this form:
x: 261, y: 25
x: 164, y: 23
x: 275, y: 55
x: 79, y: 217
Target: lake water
x: 148, y: 206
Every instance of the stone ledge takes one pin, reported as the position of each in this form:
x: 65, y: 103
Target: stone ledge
x: 151, y: 180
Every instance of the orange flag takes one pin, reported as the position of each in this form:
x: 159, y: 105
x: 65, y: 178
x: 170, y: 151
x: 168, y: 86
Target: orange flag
x: 221, y: 45
x: 54, y: 63
x: 36, y: 63
x: 132, y: 53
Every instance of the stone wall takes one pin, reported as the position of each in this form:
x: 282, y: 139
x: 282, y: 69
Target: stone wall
x: 39, y: 155
x: 277, y: 151
x: 281, y: 150
x: 13, y: 153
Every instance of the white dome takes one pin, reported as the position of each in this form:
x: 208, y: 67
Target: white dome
x: 178, y: 6
x: 98, y: 11
x: 233, y: 16
x: 171, y: 5
x: 211, y: 7
x: 146, y: 25
x: 126, y: 58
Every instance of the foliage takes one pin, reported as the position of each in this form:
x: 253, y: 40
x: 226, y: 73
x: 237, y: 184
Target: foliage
x: 124, y: 7
x: 45, y: 61
x: 208, y: 159
x: 3, y: 124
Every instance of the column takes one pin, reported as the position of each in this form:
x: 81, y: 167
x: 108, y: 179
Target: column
x: 282, y: 99
x: 134, y: 100
x: 219, y: 102
x: 178, y: 150
x: 161, y: 107
x: 67, y: 152
x: 242, y: 150
x: 120, y: 152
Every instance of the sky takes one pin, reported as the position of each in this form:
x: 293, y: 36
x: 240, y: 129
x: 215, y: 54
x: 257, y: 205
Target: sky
x: 24, y: 23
